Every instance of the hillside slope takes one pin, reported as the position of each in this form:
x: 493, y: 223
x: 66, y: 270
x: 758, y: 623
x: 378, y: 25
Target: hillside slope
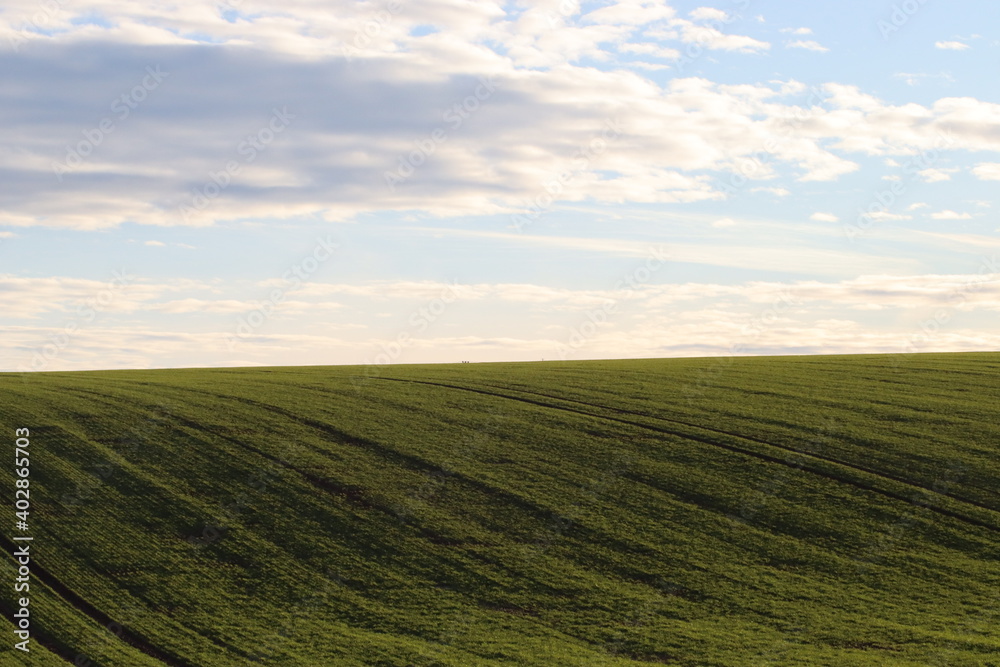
x: 759, y: 511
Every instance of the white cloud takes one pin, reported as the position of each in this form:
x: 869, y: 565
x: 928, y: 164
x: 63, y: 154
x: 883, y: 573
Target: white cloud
x: 714, y: 39
x: 30, y: 298
x: 651, y: 49
x: 802, y: 316
x: 813, y: 261
x: 917, y: 205
x: 973, y: 243
x: 950, y: 215
x: 708, y: 14
x: 777, y: 192
x: 979, y: 291
x: 987, y: 171
x: 936, y: 175
x: 916, y: 78
x: 656, y: 67
x: 850, y: 97
x: 808, y: 45
x: 676, y: 139
x: 630, y: 13
x: 192, y: 305
x: 413, y: 290
x: 883, y: 216
x: 951, y: 46
x: 354, y: 122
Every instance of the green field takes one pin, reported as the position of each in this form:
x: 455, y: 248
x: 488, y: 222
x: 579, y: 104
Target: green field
x: 839, y: 510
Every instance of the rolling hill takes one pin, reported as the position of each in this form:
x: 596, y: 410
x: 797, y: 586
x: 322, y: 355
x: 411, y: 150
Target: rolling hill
x: 838, y: 510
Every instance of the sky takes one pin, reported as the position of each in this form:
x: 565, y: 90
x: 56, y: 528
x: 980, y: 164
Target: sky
x: 255, y: 183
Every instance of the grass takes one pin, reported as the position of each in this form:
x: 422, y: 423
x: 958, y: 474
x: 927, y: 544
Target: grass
x: 840, y: 510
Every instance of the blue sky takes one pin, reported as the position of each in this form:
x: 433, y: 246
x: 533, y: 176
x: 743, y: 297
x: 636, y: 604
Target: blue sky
x: 442, y: 180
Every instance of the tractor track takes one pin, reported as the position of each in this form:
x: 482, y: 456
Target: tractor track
x: 746, y: 452
x: 77, y: 601
x: 322, y: 484
x: 391, y: 455
x: 829, y: 459
x: 540, y: 512
x: 81, y: 604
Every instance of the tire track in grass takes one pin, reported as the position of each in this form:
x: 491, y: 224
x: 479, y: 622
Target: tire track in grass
x: 858, y: 483
x: 527, y: 506
x: 338, y: 436
x: 81, y: 604
x: 828, y: 459
x: 420, y: 464
x: 313, y: 479
x: 322, y: 484
x: 76, y: 601
x: 388, y: 453
x: 41, y: 638
x: 325, y: 485
x: 105, y: 399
